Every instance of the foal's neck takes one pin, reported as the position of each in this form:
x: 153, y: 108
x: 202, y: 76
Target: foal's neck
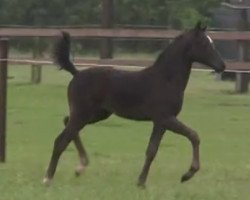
x: 174, y: 64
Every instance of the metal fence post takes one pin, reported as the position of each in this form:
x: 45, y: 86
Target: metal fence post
x: 36, y: 69
x: 3, y: 96
x: 106, y: 48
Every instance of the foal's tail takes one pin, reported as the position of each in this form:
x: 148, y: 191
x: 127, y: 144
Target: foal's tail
x: 62, y: 53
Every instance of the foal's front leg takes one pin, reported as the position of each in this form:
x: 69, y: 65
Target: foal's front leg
x: 178, y: 127
x: 152, y: 149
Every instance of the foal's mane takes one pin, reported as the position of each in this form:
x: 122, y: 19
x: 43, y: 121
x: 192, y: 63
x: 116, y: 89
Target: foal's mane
x: 168, y: 51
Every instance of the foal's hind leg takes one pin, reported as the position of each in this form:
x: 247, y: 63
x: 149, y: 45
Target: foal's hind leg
x: 84, y: 161
x: 72, y: 128
x: 178, y: 127
x: 83, y: 157
x: 99, y: 115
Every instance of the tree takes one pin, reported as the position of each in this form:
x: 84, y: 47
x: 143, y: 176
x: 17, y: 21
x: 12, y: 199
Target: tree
x: 173, y: 13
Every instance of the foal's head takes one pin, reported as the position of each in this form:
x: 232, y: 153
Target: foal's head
x: 202, y: 49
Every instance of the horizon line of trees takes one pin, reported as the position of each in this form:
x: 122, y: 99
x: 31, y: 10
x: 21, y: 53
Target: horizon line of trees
x: 178, y: 14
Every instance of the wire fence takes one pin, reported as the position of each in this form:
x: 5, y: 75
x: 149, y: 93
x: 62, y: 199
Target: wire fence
x: 121, y: 66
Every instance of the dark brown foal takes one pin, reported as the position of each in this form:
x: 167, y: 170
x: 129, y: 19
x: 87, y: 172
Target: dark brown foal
x: 154, y: 94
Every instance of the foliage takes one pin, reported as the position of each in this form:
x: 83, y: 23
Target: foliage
x: 49, y: 12
x: 176, y: 14
x: 77, y: 12
x: 172, y: 13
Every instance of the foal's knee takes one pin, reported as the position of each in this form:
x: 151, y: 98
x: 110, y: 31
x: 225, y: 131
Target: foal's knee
x: 194, y: 137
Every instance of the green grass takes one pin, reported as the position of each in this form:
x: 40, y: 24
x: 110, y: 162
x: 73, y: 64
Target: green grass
x: 116, y: 146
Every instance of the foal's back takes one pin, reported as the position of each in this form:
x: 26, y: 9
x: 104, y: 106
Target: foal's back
x: 108, y: 87
x: 137, y: 95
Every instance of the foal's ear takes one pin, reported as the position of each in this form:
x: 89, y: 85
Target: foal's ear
x: 200, y: 27
x: 204, y: 28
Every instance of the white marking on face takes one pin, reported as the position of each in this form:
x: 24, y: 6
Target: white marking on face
x: 210, y: 40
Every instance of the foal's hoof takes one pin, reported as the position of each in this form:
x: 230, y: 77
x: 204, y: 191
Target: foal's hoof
x: 141, y: 185
x: 79, y: 170
x: 187, y: 176
x: 47, y: 181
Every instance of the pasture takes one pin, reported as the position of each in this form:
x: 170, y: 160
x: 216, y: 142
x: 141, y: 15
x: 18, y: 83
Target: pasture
x: 117, y: 146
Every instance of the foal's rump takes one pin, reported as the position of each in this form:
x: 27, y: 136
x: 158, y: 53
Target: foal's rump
x: 88, y: 87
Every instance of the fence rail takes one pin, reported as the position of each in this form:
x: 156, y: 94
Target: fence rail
x: 84, y: 62
x: 94, y: 32
x: 139, y: 33
x: 136, y: 33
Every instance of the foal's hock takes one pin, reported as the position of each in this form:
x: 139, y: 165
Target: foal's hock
x: 154, y: 94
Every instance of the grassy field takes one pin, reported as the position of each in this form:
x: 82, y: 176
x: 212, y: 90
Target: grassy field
x: 116, y: 146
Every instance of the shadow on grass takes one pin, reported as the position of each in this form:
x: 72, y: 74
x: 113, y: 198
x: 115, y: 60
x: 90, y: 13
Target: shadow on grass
x: 231, y: 104
x: 21, y: 84
x: 109, y: 124
x: 232, y: 92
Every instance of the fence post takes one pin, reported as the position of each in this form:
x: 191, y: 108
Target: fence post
x: 36, y: 69
x: 3, y: 96
x: 107, y: 18
x: 242, y: 79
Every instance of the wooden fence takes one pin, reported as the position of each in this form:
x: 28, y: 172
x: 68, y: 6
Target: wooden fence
x: 137, y: 33
x: 240, y: 67
x: 116, y: 32
x: 127, y: 33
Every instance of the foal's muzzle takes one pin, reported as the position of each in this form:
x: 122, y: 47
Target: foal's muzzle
x: 220, y: 69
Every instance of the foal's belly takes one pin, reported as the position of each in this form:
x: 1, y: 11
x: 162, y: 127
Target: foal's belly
x: 143, y: 109
x: 128, y: 100
x: 133, y: 114
x: 129, y: 109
